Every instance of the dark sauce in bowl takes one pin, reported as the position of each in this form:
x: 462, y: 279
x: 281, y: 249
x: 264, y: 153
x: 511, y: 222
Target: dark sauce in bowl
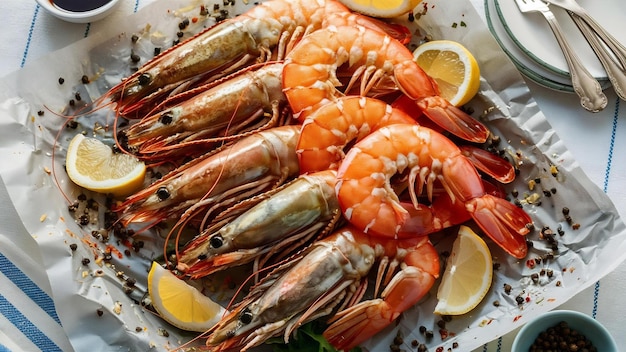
x: 79, y: 5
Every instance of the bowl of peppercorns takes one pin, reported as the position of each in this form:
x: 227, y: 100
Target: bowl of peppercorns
x: 563, y: 330
x: 79, y: 11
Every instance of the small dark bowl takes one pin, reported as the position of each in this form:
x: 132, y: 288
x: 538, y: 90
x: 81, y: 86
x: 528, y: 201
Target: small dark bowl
x: 586, y: 325
x: 79, y: 17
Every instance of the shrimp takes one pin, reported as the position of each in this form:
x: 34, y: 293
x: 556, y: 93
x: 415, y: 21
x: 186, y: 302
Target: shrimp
x: 265, y: 32
x: 282, y: 221
x: 310, y: 75
x: 334, y: 126
x: 489, y: 163
x: 220, y: 112
x: 250, y: 166
x: 329, y: 276
x: 369, y: 202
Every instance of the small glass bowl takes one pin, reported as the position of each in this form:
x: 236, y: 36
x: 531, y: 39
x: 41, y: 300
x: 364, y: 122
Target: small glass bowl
x: 586, y: 325
x: 79, y: 17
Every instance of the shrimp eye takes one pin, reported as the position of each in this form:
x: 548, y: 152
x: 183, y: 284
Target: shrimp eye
x: 216, y: 241
x: 144, y: 79
x: 246, y: 317
x: 166, y: 119
x: 163, y: 193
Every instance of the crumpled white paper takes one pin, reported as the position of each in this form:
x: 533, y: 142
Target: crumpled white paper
x: 26, y: 138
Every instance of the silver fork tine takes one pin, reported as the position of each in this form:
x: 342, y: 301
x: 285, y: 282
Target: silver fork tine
x: 585, y: 85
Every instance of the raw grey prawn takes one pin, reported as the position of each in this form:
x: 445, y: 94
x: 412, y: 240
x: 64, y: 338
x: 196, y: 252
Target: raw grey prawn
x: 369, y: 202
x: 223, y: 111
x: 280, y: 223
x: 310, y: 76
x: 250, y: 166
x: 329, y: 277
x: 265, y: 32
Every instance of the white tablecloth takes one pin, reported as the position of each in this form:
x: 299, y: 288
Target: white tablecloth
x: 28, y: 321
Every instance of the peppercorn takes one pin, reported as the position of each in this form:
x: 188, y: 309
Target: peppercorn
x: 99, y: 311
x: 73, y: 246
x: 40, y: 112
x: 85, y: 261
x: 561, y: 337
x: 61, y: 80
x: 507, y: 288
x: 84, y: 79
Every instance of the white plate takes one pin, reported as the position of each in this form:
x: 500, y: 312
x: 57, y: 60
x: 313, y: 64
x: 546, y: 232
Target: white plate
x: 533, y: 36
x: 525, y: 65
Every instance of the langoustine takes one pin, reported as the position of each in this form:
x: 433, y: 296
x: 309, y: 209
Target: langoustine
x: 331, y: 276
x: 263, y: 33
x: 252, y: 165
x: 280, y: 223
x: 198, y: 120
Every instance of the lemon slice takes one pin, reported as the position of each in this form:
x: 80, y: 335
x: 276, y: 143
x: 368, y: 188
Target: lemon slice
x: 93, y: 165
x: 381, y: 8
x: 467, y: 277
x: 179, y: 303
x: 453, y: 67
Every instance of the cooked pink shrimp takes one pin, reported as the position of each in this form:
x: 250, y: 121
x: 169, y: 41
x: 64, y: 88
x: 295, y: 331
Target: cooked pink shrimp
x: 369, y: 202
x: 333, y: 127
x: 310, y: 75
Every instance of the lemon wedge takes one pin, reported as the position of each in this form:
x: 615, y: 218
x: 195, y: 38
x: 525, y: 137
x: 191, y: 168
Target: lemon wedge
x: 452, y: 66
x: 92, y: 164
x: 468, y: 275
x: 179, y: 303
x: 381, y: 8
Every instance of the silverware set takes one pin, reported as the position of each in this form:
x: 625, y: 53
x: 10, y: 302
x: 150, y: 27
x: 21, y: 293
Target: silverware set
x: 610, y: 52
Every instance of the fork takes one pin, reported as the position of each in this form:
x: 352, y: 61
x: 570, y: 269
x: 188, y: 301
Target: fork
x: 585, y: 85
x: 615, y: 72
x: 573, y: 7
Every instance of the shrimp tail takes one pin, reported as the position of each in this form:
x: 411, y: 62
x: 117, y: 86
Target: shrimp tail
x: 453, y: 119
x: 489, y: 163
x: 502, y: 221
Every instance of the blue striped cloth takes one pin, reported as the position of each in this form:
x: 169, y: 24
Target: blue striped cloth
x: 28, y: 318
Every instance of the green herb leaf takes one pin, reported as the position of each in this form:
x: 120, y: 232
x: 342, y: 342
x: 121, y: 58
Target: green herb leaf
x: 308, y: 338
